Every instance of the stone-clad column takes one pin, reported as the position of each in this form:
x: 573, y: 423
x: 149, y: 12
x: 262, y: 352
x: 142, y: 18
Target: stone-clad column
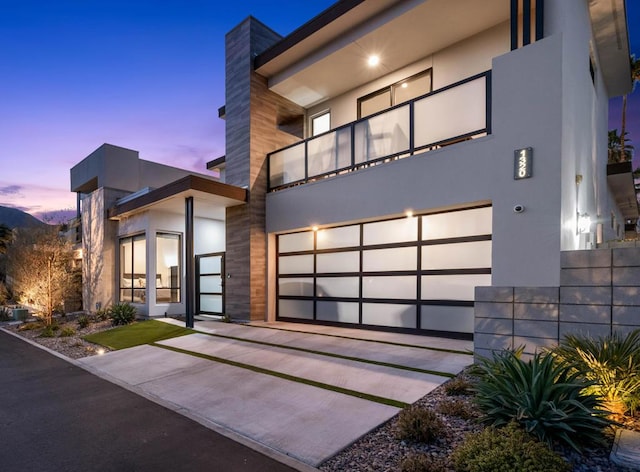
x: 252, y: 115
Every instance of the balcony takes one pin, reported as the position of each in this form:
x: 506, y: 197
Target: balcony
x: 458, y: 112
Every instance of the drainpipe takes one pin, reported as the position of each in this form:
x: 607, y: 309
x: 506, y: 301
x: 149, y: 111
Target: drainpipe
x: 189, y: 262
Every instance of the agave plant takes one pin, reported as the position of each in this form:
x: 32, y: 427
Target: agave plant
x: 611, y: 363
x: 545, y: 396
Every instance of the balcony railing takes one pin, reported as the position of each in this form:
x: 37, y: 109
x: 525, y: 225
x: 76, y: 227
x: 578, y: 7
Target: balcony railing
x: 454, y: 113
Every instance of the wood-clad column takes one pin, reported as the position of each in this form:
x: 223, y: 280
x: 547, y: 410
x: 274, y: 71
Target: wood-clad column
x: 252, y: 116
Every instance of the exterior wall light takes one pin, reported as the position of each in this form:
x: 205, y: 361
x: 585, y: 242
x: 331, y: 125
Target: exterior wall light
x: 584, y: 223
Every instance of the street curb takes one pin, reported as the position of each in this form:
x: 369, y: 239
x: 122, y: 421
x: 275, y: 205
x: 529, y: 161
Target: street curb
x: 207, y: 423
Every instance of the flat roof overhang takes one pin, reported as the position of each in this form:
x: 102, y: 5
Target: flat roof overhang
x: 609, y: 24
x: 327, y: 56
x: 620, y: 180
x: 211, y: 198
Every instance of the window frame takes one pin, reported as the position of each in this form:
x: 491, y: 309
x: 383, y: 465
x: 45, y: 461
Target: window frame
x: 391, y: 90
x: 121, y: 269
x: 315, y: 116
x: 178, y: 289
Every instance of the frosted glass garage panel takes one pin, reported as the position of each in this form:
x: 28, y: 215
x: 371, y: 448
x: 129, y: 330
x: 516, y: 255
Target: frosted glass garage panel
x: 387, y: 314
x: 392, y: 231
x: 295, y: 242
x: 345, y: 236
x: 342, y: 312
x: 338, y: 262
x: 454, y: 112
x: 476, y: 254
x: 389, y: 287
x: 401, y: 258
x: 457, y: 224
x: 453, y: 287
x: 296, y: 287
x: 338, y: 287
x: 447, y: 318
x: 211, y: 303
x: 302, y: 309
x: 295, y: 264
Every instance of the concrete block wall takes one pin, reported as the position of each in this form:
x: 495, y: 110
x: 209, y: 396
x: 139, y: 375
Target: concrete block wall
x: 599, y: 293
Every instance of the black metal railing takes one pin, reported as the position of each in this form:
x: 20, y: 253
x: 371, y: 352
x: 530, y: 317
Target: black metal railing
x: 451, y: 114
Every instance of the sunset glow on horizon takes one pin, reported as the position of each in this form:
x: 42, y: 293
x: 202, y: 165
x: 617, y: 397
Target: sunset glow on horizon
x: 144, y: 75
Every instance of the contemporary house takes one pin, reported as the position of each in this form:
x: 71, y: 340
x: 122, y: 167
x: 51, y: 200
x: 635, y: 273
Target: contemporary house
x: 382, y: 162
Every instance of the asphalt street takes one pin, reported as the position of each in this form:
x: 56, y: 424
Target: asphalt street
x: 55, y: 416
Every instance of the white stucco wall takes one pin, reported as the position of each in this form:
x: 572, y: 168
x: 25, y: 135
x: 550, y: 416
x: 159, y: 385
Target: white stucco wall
x: 457, y: 62
x: 527, y: 101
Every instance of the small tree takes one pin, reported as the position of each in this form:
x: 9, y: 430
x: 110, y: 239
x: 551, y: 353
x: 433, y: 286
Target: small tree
x: 39, y: 269
x: 6, y: 236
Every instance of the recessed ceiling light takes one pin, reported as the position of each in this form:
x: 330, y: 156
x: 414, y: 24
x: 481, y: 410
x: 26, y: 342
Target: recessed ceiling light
x: 405, y: 85
x: 373, y: 60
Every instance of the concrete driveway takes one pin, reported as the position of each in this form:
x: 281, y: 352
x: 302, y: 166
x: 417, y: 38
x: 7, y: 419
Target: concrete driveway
x: 300, y: 391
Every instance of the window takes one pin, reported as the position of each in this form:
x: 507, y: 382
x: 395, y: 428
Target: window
x: 320, y: 123
x: 133, y: 269
x: 405, y: 90
x: 168, y: 267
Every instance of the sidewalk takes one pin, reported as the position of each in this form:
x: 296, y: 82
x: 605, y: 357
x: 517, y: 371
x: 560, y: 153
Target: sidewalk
x: 302, y: 394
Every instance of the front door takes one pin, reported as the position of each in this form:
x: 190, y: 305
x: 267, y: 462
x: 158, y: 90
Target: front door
x: 210, y: 284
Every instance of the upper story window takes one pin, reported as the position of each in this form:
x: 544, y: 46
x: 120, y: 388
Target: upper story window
x: 407, y: 89
x: 320, y: 123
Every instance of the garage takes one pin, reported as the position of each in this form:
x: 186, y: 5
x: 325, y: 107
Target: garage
x: 415, y: 273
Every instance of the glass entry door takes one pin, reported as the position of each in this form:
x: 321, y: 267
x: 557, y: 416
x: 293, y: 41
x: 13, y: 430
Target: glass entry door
x: 210, y: 284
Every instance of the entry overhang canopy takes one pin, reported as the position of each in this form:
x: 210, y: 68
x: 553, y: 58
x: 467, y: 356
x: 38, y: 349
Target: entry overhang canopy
x: 211, y: 198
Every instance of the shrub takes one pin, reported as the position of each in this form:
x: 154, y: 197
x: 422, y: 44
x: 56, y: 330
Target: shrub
x: 419, y: 424
x: 506, y: 449
x: 122, y: 314
x: 611, y: 362
x: 545, y: 397
x: 83, y: 321
x: 5, y: 314
x: 102, y: 314
x: 456, y: 407
x: 457, y: 386
x: 47, y: 332
x: 67, y: 331
x: 423, y: 463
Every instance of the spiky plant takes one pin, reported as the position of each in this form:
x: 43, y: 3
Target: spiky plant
x: 611, y: 363
x: 544, y: 396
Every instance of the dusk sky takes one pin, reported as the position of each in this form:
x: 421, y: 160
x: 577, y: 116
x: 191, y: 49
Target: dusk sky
x: 141, y: 74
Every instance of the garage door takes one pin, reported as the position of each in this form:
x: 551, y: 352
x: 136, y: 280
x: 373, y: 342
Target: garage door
x: 416, y: 273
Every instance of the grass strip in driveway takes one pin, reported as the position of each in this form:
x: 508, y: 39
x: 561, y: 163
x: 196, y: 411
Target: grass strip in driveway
x: 336, y: 356
x: 142, y: 332
x: 293, y: 378
x: 379, y: 341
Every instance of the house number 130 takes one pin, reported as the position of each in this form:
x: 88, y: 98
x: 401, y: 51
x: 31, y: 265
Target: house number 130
x: 522, y: 163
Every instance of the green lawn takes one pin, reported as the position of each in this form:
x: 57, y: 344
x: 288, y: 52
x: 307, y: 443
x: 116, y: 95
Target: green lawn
x: 142, y: 332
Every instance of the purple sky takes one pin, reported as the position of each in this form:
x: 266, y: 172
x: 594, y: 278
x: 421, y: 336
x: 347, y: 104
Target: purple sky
x: 146, y: 75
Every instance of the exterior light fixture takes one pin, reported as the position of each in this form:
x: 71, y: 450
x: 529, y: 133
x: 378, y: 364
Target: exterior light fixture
x: 584, y: 223
x: 405, y: 85
x: 100, y: 351
x: 373, y: 60
x: 314, y: 228
x: 408, y: 213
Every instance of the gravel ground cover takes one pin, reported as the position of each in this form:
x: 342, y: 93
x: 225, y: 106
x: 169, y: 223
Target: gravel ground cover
x: 377, y: 451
